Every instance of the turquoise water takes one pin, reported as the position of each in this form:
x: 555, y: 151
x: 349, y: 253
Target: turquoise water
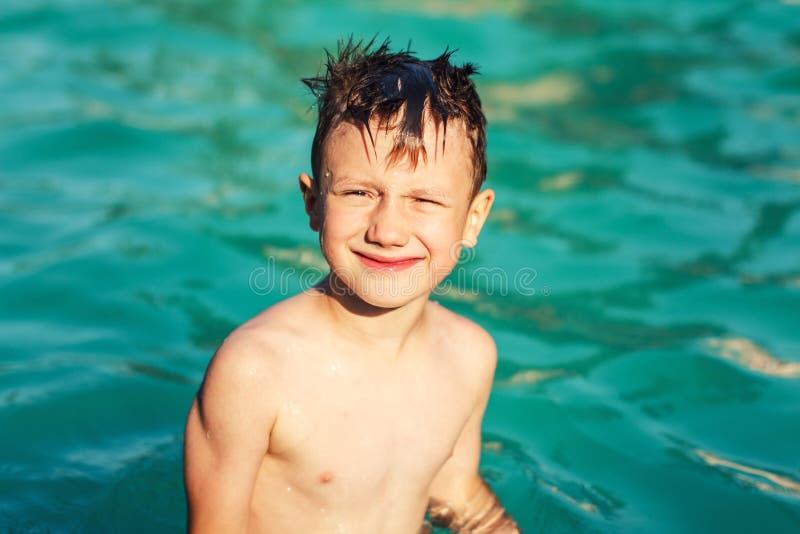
x: 646, y: 159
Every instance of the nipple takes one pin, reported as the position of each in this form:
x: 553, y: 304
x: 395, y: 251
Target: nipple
x: 325, y: 477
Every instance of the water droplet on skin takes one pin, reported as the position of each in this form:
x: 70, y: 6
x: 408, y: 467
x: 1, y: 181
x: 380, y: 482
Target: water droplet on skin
x: 208, y: 434
x: 292, y: 408
x: 288, y: 489
x: 293, y: 347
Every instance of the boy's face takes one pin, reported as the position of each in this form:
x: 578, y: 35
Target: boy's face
x: 391, y: 233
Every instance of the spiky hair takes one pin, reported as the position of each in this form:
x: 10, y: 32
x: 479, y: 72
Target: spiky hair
x: 364, y: 83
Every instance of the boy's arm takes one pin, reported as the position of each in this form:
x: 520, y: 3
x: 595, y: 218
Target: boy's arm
x: 458, y: 497
x: 227, y: 436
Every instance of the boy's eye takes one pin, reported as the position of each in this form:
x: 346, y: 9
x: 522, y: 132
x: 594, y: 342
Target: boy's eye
x: 356, y: 193
x: 427, y: 201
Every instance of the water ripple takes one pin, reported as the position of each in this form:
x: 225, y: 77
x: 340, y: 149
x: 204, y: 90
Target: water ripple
x: 760, y: 479
x: 746, y: 353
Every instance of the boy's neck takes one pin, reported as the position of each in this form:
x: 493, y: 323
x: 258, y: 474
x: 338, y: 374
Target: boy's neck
x: 387, y: 329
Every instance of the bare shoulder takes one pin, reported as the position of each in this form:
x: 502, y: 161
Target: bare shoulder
x: 463, y: 333
x: 278, y: 321
x: 245, y: 373
x: 470, y: 343
x: 238, y: 380
x: 244, y: 356
x: 255, y: 353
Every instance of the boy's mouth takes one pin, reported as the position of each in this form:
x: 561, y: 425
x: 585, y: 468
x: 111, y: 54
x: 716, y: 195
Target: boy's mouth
x: 386, y: 263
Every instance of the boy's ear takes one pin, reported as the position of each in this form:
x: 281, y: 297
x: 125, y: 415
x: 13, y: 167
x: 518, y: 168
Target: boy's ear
x: 310, y: 200
x: 478, y: 211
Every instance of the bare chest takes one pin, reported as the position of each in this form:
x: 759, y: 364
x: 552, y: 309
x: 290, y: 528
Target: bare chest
x: 347, y: 435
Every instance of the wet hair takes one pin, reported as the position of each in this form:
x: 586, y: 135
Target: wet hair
x: 364, y: 84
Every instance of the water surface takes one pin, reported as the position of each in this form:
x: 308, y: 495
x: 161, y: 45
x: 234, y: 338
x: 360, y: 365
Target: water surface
x: 646, y: 159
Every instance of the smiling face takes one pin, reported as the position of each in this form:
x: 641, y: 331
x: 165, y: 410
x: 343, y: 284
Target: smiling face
x: 391, y: 231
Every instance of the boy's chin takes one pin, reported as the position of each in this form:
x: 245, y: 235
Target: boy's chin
x: 388, y: 298
x: 391, y: 302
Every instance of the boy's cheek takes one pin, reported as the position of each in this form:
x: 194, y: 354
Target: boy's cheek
x: 444, y: 248
x: 337, y: 221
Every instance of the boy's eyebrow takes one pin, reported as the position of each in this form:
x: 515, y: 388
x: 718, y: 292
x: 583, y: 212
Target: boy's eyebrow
x: 343, y: 180
x: 428, y: 191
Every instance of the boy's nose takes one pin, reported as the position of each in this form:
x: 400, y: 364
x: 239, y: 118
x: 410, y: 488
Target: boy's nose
x: 387, y: 227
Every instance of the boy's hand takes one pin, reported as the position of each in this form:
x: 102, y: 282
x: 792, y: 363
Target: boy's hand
x: 482, y: 513
x: 458, y: 497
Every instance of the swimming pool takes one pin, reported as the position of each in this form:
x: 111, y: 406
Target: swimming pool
x: 646, y: 159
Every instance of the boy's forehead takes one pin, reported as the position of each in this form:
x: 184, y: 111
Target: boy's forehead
x: 350, y: 145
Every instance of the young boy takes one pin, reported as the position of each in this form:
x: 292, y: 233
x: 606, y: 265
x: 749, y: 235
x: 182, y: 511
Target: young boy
x: 357, y: 406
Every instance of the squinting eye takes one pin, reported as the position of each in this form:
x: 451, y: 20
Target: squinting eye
x: 357, y: 193
x: 426, y: 201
